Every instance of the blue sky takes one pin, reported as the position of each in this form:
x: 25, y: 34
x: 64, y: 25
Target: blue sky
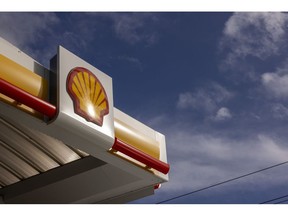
x: 216, y: 84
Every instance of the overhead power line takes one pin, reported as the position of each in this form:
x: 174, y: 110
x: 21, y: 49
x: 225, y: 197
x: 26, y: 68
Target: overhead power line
x: 271, y: 200
x: 283, y: 201
x: 221, y: 183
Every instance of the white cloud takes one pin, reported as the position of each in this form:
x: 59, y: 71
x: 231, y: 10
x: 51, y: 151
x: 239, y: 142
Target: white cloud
x: 276, y: 84
x: 27, y: 31
x: 23, y: 29
x: 223, y: 114
x: 134, y: 27
x: 202, y: 157
x: 258, y: 35
x: 271, y: 149
x: 206, y: 99
x: 135, y: 62
x: 205, y: 159
x: 39, y: 34
x: 279, y: 111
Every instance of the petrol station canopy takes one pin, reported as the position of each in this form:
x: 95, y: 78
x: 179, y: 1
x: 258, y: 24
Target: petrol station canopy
x: 63, y: 141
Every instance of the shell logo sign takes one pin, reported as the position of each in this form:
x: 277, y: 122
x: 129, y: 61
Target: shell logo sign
x: 88, y: 95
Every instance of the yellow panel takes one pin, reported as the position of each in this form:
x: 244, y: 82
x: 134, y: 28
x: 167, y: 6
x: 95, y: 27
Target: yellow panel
x: 24, y: 79
x: 136, y: 139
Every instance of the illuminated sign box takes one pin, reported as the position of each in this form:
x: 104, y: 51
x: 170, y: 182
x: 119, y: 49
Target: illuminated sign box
x: 85, y: 100
x: 73, y: 105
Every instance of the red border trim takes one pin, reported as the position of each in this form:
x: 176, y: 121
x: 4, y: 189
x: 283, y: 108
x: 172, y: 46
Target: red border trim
x: 157, y: 186
x: 49, y: 110
x: 140, y: 156
x: 76, y: 103
x: 27, y: 99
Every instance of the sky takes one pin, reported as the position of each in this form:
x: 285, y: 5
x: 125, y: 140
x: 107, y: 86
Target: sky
x: 214, y: 83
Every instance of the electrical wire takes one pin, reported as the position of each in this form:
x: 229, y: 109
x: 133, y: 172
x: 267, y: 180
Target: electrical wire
x: 283, y: 201
x: 268, y: 201
x: 221, y: 183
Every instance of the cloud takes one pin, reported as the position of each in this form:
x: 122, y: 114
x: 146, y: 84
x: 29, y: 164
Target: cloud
x: 272, y: 149
x: 31, y: 32
x: 135, y: 62
x: 223, y: 114
x: 202, y: 159
x: 259, y: 35
x: 134, y: 28
x: 279, y: 111
x: 203, y: 156
x: 39, y: 34
x: 24, y: 29
x: 276, y: 83
x: 206, y: 99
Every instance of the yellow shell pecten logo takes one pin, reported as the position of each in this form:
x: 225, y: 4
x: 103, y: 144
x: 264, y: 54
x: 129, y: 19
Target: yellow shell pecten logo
x: 88, y: 95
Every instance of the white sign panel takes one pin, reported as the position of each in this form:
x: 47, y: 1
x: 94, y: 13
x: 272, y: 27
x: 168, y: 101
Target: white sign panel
x: 85, y: 100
